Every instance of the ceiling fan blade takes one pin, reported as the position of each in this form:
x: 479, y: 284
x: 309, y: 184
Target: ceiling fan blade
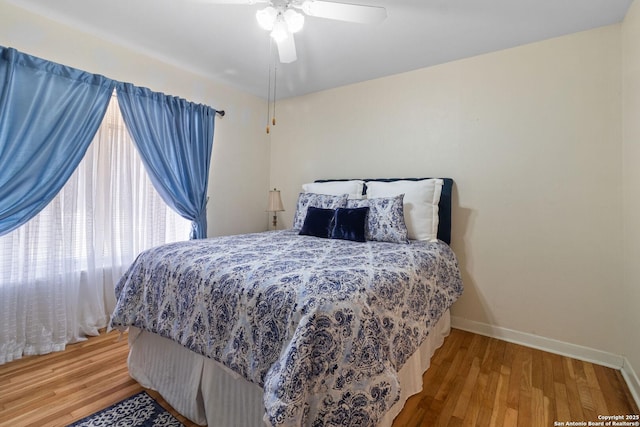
x: 345, y: 11
x: 287, y: 49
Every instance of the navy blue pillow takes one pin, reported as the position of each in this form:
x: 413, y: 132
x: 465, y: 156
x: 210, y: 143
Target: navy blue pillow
x: 349, y: 224
x: 318, y: 222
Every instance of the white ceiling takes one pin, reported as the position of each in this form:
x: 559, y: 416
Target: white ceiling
x: 224, y: 41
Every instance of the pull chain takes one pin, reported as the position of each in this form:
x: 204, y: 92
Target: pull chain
x: 269, y: 84
x: 271, y: 119
x: 275, y: 85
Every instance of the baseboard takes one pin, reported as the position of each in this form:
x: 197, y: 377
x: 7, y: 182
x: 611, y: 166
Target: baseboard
x: 541, y: 343
x: 632, y: 380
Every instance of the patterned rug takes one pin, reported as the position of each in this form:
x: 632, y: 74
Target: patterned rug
x: 139, y: 410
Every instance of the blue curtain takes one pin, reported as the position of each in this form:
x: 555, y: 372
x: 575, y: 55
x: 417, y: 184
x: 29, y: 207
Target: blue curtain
x: 49, y: 115
x: 174, y: 138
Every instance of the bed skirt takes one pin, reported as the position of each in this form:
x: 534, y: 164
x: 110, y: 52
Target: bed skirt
x: 208, y: 393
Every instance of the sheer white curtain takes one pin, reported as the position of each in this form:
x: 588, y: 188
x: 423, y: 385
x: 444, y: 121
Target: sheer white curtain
x: 58, y: 272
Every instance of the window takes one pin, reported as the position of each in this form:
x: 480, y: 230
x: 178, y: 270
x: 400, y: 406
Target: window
x: 70, y: 256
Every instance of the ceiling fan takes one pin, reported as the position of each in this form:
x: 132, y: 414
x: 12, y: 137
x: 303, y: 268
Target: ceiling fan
x: 283, y: 18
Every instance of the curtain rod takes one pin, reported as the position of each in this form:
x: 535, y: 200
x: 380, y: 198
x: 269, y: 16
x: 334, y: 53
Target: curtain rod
x: 221, y: 113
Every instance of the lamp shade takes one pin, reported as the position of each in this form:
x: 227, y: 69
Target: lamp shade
x: 275, y: 201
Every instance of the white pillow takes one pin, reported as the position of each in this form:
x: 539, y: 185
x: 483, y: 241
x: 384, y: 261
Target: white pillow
x: 336, y: 188
x: 421, y: 200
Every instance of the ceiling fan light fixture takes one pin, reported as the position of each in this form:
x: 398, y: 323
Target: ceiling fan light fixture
x: 307, y: 7
x: 280, y: 31
x: 267, y: 18
x: 294, y: 20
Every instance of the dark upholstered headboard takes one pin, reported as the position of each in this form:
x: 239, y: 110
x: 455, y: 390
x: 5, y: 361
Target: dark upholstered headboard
x: 444, y: 207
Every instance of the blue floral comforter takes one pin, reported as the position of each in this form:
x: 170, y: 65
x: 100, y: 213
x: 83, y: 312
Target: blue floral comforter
x: 322, y: 325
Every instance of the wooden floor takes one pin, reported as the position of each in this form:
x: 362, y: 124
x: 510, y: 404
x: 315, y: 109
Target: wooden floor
x: 473, y: 381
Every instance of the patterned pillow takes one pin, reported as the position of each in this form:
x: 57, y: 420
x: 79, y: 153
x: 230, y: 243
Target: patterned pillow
x: 386, y: 218
x: 323, y: 201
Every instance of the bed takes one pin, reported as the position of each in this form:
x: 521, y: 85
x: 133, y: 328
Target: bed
x: 295, y: 327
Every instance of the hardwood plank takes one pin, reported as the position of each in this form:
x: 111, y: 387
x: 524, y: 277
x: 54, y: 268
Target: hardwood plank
x: 467, y: 390
x: 537, y: 407
x: 586, y: 398
x: 431, y: 415
x: 486, y: 409
x: 445, y: 414
x: 516, y: 366
x: 526, y: 390
x: 448, y: 380
x: 537, y: 371
x: 499, y: 407
x: 624, y: 391
x: 596, y: 393
x: 562, y: 403
x: 548, y: 387
x: 473, y: 409
x: 473, y: 381
x: 617, y: 396
x: 575, y: 404
x: 511, y: 417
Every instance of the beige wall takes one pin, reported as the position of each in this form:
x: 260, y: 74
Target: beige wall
x: 239, y: 176
x: 531, y: 136
x: 630, y: 298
